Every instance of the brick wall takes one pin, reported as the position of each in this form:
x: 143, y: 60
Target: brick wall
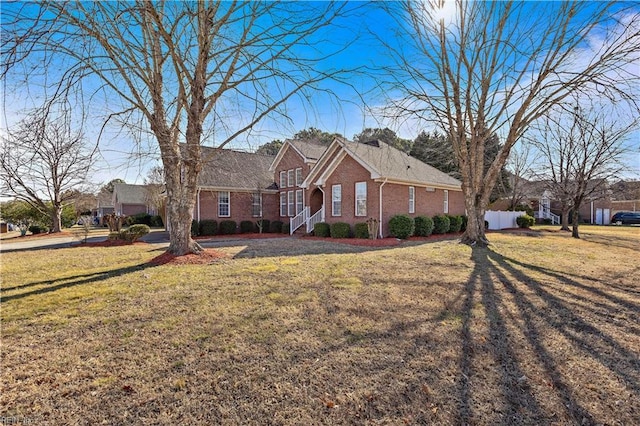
x: 290, y: 160
x: 240, y: 207
x: 132, y: 209
x: 395, y: 197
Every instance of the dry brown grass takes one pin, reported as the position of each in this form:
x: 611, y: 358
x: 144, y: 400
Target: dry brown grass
x: 537, y: 329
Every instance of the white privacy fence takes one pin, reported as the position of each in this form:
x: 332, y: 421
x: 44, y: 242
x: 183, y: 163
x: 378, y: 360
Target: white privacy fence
x: 502, y: 220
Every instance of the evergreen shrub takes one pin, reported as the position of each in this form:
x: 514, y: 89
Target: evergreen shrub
x: 441, y: 224
x: 361, y: 230
x: 401, y: 226
x: 321, y: 229
x: 423, y: 226
x: 227, y: 227
x: 208, y: 227
x: 340, y: 230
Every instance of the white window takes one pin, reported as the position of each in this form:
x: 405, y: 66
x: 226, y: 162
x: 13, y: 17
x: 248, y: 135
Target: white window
x: 412, y: 199
x: 336, y: 200
x: 299, y: 201
x: 291, y: 203
x: 283, y: 204
x: 256, y: 204
x: 224, y: 207
x: 290, y: 178
x: 361, y: 198
x: 446, y: 201
x: 298, y: 176
x: 283, y: 179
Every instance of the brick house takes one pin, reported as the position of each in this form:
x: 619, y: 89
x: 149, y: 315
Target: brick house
x: 308, y: 182
x: 352, y: 182
x: 235, y: 185
x: 131, y: 199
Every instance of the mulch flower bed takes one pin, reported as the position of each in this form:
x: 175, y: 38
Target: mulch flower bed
x: 207, y: 257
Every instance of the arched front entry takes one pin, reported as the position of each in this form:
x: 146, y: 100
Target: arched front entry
x: 315, y: 201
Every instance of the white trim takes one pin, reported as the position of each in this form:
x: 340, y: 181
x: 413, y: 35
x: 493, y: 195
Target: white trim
x: 333, y: 164
x: 231, y: 189
x: 198, y: 203
x: 320, y: 164
x: 291, y: 178
x: 380, y: 221
x: 298, y: 184
x: 429, y: 187
x: 283, y: 206
x: 228, y: 204
x: 291, y: 203
x: 445, y: 207
x: 299, y: 191
x: 333, y: 214
x: 412, y: 199
x: 355, y: 196
x: 259, y: 205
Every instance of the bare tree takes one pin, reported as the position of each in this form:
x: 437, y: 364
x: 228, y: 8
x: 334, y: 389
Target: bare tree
x: 496, y: 67
x: 44, y: 161
x: 581, y: 150
x: 154, y: 195
x: 181, y: 68
x: 519, y: 165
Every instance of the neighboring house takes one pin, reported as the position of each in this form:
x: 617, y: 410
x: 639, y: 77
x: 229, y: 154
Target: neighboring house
x: 601, y: 203
x: 235, y: 185
x: 104, y: 206
x: 353, y: 182
x: 130, y: 200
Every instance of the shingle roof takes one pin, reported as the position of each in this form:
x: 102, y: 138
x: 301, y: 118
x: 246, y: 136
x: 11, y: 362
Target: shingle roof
x: 226, y: 168
x: 310, y: 149
x: 126, y: 193
x: 393, y: 164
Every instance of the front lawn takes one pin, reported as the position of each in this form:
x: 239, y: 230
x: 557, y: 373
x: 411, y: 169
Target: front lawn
x: 538, y: 329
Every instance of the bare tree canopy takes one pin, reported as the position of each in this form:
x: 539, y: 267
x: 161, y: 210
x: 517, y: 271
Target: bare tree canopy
x: 44, y: 161
x: 581, y: 150
x: 497, y: 67
x: 183, y: 70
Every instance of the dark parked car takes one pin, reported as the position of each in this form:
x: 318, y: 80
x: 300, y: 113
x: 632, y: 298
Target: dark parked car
x: 626, y: 218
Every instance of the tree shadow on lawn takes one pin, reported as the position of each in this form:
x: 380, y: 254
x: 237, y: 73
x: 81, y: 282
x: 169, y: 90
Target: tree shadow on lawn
x: 543, y: 307
x: 276, y: 247
x: 66, y: 282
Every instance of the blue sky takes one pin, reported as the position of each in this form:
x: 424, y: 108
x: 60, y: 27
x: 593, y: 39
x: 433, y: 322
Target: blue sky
x: 347, y: 113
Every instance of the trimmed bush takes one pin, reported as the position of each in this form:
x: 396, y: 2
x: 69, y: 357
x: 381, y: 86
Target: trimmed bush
x: 227, y: 227
x: 247, y: 227
x: 361, y: 230
x: 208, y: 227
x: 465, y: 220
x: 139, y: 219
x: 276, y: 226
x: 195, y: 228
x: 113, y: 236
x: 486, y: 224
x: 285, y: 228
x: 423, y: 226
x: 401, y: 226
x: 340, y: 230
x: 135, y: 232
x: 321, y: 229
x: 35, y: 229
x: 441, y: 224
x: 263, y: 225
x: 156, y: 221
x: 455, y: 223
x: 525, y: 221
